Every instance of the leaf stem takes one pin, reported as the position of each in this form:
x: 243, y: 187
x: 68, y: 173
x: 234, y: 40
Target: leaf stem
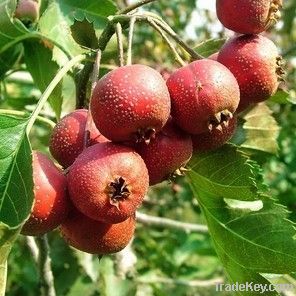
x: 135, y: 6
x: 24, y: 114
x: 130, y: 40
x: 44, y: 264
x: 118, y: 31
x: 167, y: 40
x: 62, y: 72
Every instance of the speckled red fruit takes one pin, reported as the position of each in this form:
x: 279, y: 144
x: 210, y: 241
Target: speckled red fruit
x: 248, y: 16
x: 67, y: 138
x: 214, y: 139
x: 27, y: 10
x: 108, y: 182
x: 204, y: 94
x: 255, y: 62
x: 130, y: 103
x: 168, y: 152
x: 96, y: 237
x: 51, y: 203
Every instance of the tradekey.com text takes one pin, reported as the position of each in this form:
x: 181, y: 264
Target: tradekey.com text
x: 253, y: 287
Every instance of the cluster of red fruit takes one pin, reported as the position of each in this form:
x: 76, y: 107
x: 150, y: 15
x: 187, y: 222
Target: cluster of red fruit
x: 142, y: 130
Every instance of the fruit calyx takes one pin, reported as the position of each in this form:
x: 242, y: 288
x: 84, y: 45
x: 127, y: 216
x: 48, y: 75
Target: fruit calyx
x: 177, y: 173
x: 219, y: 120
x: 118, y: 190
x: 274, y: 13
x: 145, y: 135
x: 279, y: 69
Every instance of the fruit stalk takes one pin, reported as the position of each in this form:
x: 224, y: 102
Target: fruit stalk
x: 94, y: 78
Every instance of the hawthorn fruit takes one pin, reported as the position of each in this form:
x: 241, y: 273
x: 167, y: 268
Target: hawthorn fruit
x: 167, y: 153
x: 51, y: 203
x: 108, y: 182
x: 255, y: 62
x: 204, y: 95
x: 67, y: 138
x: 130, y: 103
x: 96, y: 237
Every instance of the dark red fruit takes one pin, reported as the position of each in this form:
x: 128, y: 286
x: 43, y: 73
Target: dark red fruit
x: 167, y: 153
x: 27, y: 10
x: 248, y: 16
x: 256, y: 64
x: 108, y: 182
x: 67, y: 139
x: 51, y: 203
x: 130, y: 103
x: 214, y: 139
x: 96, y: 237
x: 204, y: 94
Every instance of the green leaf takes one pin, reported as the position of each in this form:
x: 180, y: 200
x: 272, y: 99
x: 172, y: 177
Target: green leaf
x: 16, y: 184
x: 84, y: 34
x: 55, y: 25
x: 212, y: 171
x: 282, y: 97
x: 93, y: 11
x: 9, y: 58
x: 43, y: 69
x: 209, y: 47
x: 261, y: 130
x: 7, y: 236
x: 10, y: 29
x: 250, y: 237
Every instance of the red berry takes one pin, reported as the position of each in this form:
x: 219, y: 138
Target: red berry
x: 51, y: 202
x: 108, y: 182
x: 248, y: 16
x: 27, y: 10
x: 168, y: 152
x: 67, y: 139
x: 255, y: 63
x: 96, y: 237
x: 130, y: 103
x: 204, y: 94
x: 214, y: 139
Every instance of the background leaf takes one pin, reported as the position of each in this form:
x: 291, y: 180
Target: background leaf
x: 43, y: 69
x: 261, y: 130
x: 209, y: 47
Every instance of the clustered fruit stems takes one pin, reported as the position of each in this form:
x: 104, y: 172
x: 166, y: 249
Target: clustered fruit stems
x: 148, y: 18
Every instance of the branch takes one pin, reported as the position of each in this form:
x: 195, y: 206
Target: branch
x: 33, y: 248
x: 169, y: 223
x: 192, y: 284
x: 45, y: 272
x: 135, y: 6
